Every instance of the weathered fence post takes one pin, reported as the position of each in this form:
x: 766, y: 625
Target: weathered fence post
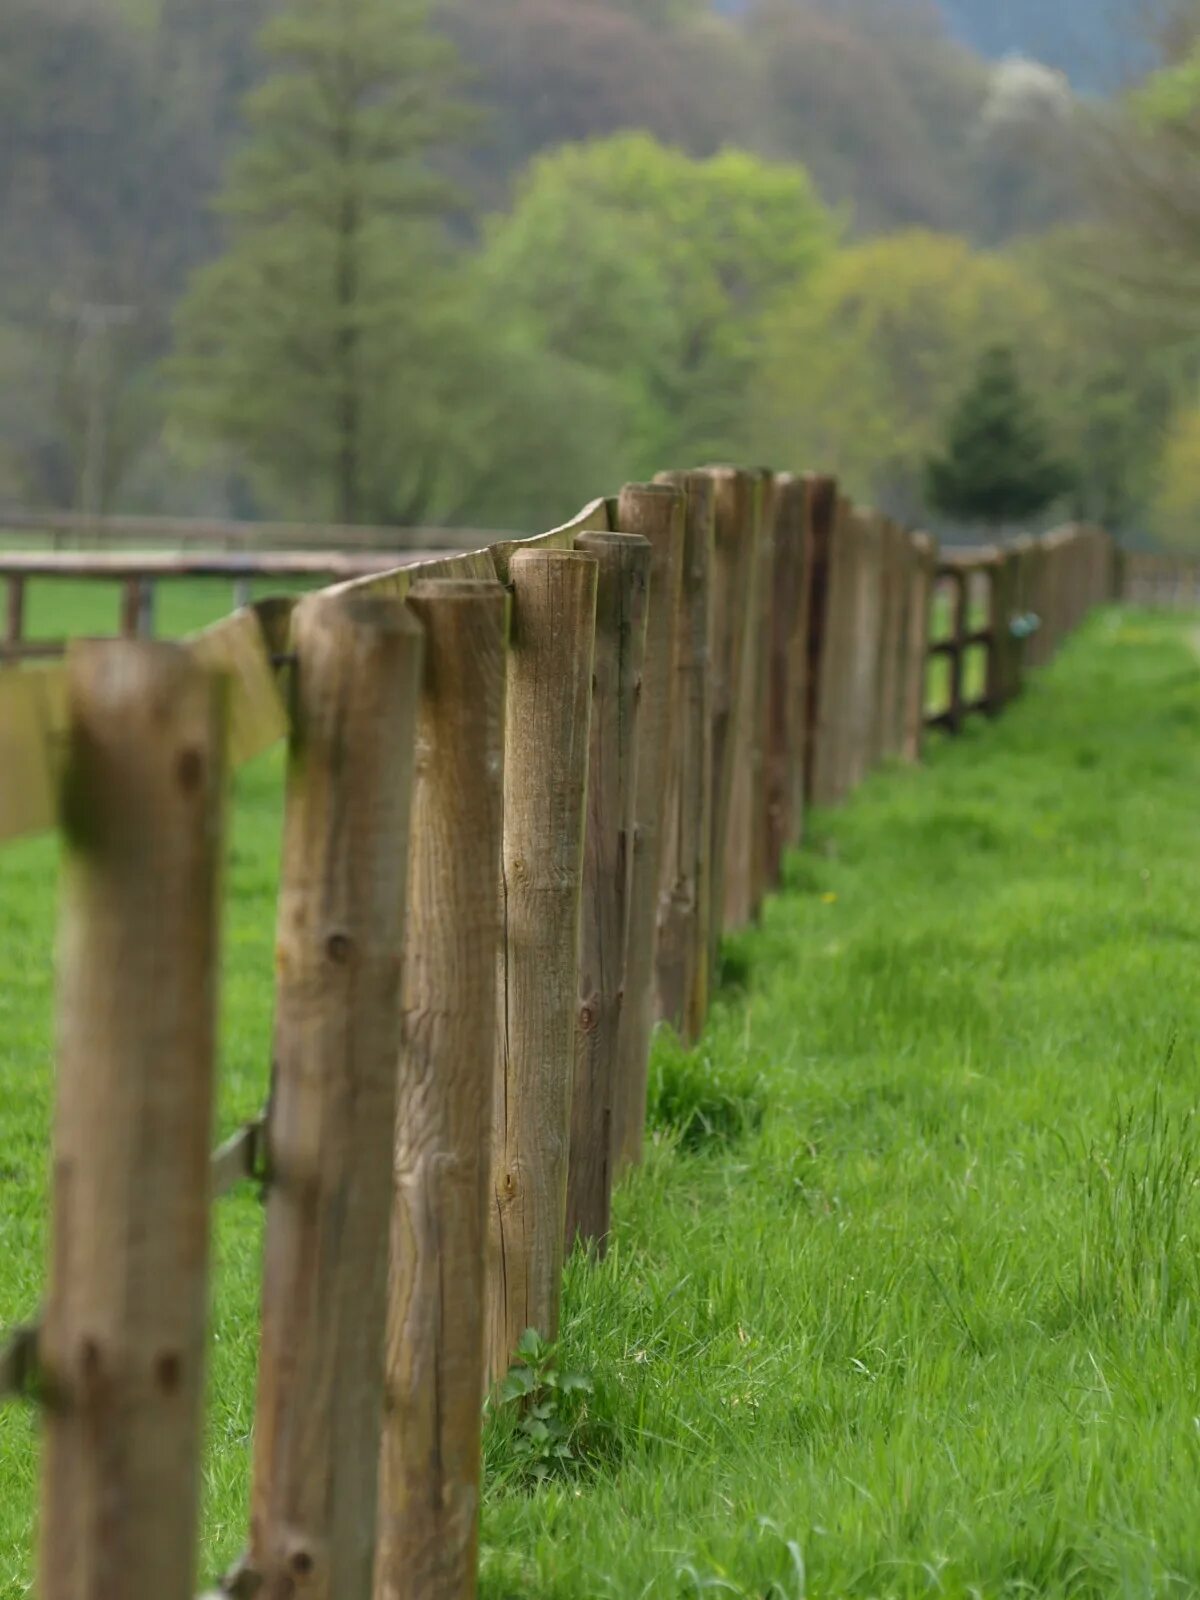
x: 817, y: 777
x: 960, y: 602
x: 655, y: 511
x: 434, y: 1363
x: 547, y: 723
x: 686, y: 905
x: 124, y: 1334
x: 845, y: 648
x: 892, y: 626
x: 920, y: 603
x: 783, y: 785
x: 866, y: 648
x: 1003, y: 653
x: 762, y: 624
x: 14, y: 619
x: 317, y: 1430
x: 736, y: 510
x: 746, y: 735
x: 621, y: 616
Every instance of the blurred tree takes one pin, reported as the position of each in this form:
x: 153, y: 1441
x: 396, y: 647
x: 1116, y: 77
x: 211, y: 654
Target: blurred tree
x: 998, y: 465
x: 864, y: 362
x: 1176, y: 502
x: 1113, y: 387
x: 635, y: 261
x: 553, y: 72
x: 306, y: 341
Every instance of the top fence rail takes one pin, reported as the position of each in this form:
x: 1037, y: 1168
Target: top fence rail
x: 191, y: 533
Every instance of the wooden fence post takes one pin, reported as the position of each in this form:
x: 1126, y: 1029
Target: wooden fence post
x: 960, y: 602
x: 547, y: 722
x: 823, y: 505
x: 847, y: 646
x: 14, y: 621
x: 866, y: 646
x: 762, y: 624
x: 124, y: 1335
x: 333, y: 1102
x: 783, y: 785
x: 746, y: 737
x: 920, y: 605
x: 434, y: 1363
x: 1002, y: 653
x: 621, y: 616
x: 736, y: 512
x: 655, y: 511
x: 683, y: 975
x: 892, y: 627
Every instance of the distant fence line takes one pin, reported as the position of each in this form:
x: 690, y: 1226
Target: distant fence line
x: 1170, y: 581
x: 528, y: 788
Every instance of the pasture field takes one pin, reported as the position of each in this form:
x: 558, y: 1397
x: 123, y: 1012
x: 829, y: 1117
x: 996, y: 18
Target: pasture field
x: 906, y: 1298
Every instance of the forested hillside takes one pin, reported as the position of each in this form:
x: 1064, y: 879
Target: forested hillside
x: 119, y: 120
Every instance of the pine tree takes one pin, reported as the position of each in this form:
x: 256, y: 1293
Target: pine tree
x: 301, y: 344
x: 998, y: 466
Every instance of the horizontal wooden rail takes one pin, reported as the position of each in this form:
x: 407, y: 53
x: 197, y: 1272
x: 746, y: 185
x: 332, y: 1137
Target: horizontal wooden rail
x: 113, y: 566
x: 139, y: 574
x: 207, y: 532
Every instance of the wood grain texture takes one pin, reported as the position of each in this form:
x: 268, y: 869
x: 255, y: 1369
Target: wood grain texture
x: 920, y: 606
x: 997, y: 690
x: 685, y: 904
x: 356, y: 681
x: 762, y: 643
x: 621, y: 616
x: 866, y: 637
x: 822, y: 515
x: 656, y: 512
x: 237, y: 647
x: 891, y: 639
x: 736, y: 496
x: 593, y: 518
x: 746, y: 730
x: 836, y: 678
x: 124, y: 1333
x: 547, y: 723
x: 783, y: 785
x: 14, y: 609
x: 434, y: 1364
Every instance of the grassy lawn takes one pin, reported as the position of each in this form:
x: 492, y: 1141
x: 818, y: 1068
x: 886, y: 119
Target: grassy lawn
x: 66, y: 608
x: 906, y: 1299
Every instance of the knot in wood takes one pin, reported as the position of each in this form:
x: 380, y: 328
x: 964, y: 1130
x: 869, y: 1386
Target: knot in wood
x: 168, y: 1370
x: 189, y: 769
x: 589, y: 1016
x: 339, y: 947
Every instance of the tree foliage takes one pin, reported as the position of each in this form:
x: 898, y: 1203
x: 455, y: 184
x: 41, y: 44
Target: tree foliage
x: 998, y: 465
x: 305, y: 344
x: 864, y: 363
x: 634, y: 260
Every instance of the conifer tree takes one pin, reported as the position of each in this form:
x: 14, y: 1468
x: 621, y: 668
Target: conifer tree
x: 998, y: 465
x: 297, y: 347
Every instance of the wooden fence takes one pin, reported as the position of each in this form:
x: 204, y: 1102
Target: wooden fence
x: 1165, y: 581
x: 206, y: 534
x: 139, y: 577
x: 527, y: 789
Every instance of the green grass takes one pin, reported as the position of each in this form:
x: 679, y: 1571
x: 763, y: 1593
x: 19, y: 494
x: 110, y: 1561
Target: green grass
x: 68, y: 608
x: 906, y: 1298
